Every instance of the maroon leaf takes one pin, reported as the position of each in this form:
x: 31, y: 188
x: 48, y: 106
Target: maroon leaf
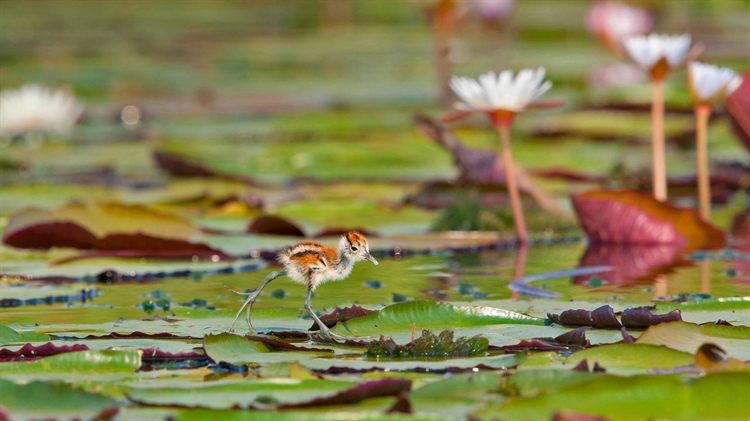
x: 532, y: 345
x: 582, y: 365
x: 140, y: 335
x: 738, y: 106
x: 274, y: 225
x: 102, y: 226
x: 182, y: 167
x: 626, y: 336
x: 340, y: 315
x: 602, y: 317
x: 576, y: 337
x: 30, y: 352
x: 641, y: 318
x: 630, y: 262
x: 371, y: 389
x: 402, y: 404
x: 629, y: 217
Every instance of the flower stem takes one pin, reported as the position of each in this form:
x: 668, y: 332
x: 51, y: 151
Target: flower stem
x: 702, y: 113
x: 657, y: 142
x: 443, y: 21
x: 510, y: 179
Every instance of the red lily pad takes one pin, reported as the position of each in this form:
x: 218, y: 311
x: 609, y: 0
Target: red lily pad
x: 629, y: 217
x: 101, y: 226
x: 30, y: 352
x: 738, y: 106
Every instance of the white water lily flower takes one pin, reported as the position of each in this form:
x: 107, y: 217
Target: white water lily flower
x: 492, y: 92
x: 709, y: 83
x: 650, y: 51
x: 34, y: 108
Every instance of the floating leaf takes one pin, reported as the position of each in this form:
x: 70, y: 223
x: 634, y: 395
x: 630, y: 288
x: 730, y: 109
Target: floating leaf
x: 602, y: 317
x: 30, y: 352
x: 372, y: 389
x: 103, y: 226
x: 38, y: 400
x: 715, y: 396
x: 266, y: 394
x: 9, y: 336
x: 738, y: 105
x: 633, y: 357
x: 81, y: 362
x: 238, y: 350
x: 629, y: 217
x: 641, y: 318
x: 728, y: 304
x: 429, y: 315
x: 689, y: 337
x: 275, y: 225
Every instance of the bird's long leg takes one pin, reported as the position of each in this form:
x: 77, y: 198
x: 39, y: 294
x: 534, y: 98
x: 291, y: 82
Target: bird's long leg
x: 325, y: 331
x: 252, y: 296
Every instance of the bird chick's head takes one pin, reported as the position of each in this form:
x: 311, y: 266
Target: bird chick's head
x: 354, y: 246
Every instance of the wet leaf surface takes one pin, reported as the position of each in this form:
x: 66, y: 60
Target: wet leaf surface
x: 631, y: 398
x: 39, y: 400
x: 689, y: 337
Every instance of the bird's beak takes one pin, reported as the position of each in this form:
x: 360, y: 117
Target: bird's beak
x: 372, y: 259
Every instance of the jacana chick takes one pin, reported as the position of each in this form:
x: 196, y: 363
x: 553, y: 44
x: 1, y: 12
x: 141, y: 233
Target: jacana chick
x: 310, y: 264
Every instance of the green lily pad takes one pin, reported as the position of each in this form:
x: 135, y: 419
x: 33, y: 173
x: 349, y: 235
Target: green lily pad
x: 531, y: 382
x: 630, y: 358
x: 717, y: 396
x: 498, y: 362
x: 401, y: 317
x: 238, y: 350
x: 39, y: 400
x: 262, y: 393
x: 78, y: 363
x: 9, y: 336
x: 688, y: 337
x: 728, y: 303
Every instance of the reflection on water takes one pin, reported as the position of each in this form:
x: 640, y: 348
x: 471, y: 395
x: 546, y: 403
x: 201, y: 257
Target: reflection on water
x: 638, y: 276
x: 631, y: 263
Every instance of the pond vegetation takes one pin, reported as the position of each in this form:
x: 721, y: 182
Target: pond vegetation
x: 256, y: 124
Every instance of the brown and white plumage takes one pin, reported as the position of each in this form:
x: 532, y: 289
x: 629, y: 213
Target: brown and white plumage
x: 310, y: 264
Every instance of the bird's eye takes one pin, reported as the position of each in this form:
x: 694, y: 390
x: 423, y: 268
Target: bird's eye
x: 354, y: 248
